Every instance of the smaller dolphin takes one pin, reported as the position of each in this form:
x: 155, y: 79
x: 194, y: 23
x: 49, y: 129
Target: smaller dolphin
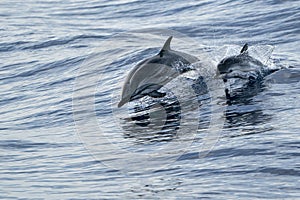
x: 148, y: 76
x: 241, y: 71
x: 239, y: 63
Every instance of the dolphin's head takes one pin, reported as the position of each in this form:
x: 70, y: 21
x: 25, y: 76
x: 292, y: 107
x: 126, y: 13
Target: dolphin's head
x: 229, y: 64
x: 240, y: 72
x: 153, y: 73
x: 241, y: 66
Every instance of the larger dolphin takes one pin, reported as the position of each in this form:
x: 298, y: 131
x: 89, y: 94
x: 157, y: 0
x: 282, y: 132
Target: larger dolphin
x: 148, y: 76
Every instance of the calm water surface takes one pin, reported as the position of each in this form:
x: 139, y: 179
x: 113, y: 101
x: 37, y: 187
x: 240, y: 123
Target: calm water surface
x: 45, y: 45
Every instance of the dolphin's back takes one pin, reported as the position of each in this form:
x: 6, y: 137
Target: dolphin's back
x: 151, y: 74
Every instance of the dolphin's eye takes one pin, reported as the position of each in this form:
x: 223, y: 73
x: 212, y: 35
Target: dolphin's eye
x: 230, y: 71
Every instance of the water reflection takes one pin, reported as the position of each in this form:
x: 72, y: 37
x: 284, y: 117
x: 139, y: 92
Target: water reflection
x: 153, y: 120
x: 246, y: 114
x: 160, y: 119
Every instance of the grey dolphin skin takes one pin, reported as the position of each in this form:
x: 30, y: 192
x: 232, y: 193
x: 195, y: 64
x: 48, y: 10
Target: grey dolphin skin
x: 148, y: 76
x: 241, y: 71
x: 241, y: 63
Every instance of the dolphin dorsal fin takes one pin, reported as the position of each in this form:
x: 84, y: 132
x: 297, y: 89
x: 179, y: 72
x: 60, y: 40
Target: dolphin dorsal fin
x: 166, y: 46
x: 244, y: 49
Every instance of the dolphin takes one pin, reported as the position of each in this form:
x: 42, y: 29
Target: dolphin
x: 241, y: 72
x: 148, y: 76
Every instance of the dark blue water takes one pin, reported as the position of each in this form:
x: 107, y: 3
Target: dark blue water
x: 53, y: 147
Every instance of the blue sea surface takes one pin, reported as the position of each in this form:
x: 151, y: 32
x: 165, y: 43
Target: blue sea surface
x: 47, y: 47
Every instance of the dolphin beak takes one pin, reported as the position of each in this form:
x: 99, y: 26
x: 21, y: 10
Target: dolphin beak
x: 122, y: 102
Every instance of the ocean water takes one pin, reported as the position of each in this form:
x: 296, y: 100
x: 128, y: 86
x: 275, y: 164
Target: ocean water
x: 61, y: 70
